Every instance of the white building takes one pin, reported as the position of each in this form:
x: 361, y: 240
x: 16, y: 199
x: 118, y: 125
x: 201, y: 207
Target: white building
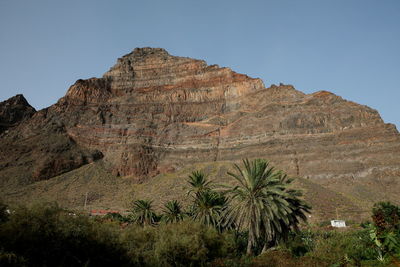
x: 338, y: 223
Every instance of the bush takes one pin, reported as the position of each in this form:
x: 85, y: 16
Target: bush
x: 300, y: 243
x: 386, y: 217
x: 385, y: 231
x: 139, y: 243
x: 282, y: 258
x: 343, y: 247
x: 45, y: 235
x: 180, y: 244
x: 188, y: 243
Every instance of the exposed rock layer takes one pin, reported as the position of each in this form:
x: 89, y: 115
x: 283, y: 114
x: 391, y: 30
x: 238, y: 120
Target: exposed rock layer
x: 153, y: 112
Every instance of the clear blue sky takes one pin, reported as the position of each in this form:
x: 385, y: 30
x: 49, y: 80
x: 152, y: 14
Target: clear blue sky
x: 349, y: 47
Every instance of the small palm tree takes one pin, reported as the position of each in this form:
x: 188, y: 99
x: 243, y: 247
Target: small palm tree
x: 173, y: 212
x: 143, y: 212
x: 262, y: 204
x: 198, y: 182
x: 208, y: 207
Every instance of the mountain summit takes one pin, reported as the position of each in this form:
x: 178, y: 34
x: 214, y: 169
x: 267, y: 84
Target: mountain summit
x: 153, y: 113
x: 13, y: 111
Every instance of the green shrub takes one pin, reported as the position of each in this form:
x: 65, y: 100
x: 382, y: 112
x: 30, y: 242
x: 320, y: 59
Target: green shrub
x: 45, y: 235
x: 282, y: 258
x: 180, y: 244
x: 116, y: 217
x: 343, y: 247
x: 386, y: 217
x: 385, y: 231
x: 139, y: 243
x: 191, y: 244
x: 300, y: 243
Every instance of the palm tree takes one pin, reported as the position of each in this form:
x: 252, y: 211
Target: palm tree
x: 173, y: 212
x: 208, y: 207
x: 143, y: 212
x: 298, y: 207
x: 262, y: 204
x: 198, y: 182
x: 285, y: 223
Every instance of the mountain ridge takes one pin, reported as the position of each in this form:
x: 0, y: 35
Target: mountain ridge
x: 153, y: 113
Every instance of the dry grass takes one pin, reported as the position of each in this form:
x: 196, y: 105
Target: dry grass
x: 108, y: 191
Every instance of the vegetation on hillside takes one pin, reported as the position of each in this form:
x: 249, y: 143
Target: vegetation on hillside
x: 253, y: 223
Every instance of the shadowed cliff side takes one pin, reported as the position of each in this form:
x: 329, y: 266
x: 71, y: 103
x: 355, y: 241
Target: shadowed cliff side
x: 13, y: 111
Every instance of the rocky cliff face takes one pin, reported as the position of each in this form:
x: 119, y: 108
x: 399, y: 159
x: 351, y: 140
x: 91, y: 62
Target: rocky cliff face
x: 13, y: 111
x: 153, y: 112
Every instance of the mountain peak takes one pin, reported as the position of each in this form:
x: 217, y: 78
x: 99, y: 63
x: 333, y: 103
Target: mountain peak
x: 18, y: 99
x: 13, y: 111
x: 148, y: 51
x: 145, y: 57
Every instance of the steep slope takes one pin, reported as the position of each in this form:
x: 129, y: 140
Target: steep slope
x: 153, y: 113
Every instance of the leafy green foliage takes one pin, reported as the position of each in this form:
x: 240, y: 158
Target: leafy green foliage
x: 46, y: 235
x: 339, y: 247
x: 386, y: 217
x: 173, y: 212
x: 263, y: 204
x: 208, y: 207
x: 385, y: 231
x: 283, y: 258
x: 261, y: 210
x: 143, y: 213
x: 139, y: 243
x: 116, y: 217
x: 191, y: 244
x: 198, y: 182
x: 300, y: 243
x: 184, y: 243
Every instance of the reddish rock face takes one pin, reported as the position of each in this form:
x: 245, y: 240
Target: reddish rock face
x: 153, y: 112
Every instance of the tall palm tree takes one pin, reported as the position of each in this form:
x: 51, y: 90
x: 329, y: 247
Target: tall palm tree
x: 298, y: 206
x: 173, y: 212
x: 285, y: 223
x: 143, y: 212
x: 262, y: 204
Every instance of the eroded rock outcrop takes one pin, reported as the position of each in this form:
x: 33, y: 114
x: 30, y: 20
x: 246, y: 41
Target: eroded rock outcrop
x: 153, y: 112
x: 13, y: 111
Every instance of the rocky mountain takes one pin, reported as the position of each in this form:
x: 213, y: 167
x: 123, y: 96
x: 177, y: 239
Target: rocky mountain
x: 13, y: 111
x: 153, y: 113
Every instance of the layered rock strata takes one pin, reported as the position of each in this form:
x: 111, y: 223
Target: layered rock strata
x: 153, y: 112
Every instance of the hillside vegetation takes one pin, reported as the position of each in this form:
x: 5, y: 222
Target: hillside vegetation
x: 47, y: 235
x: 107, y: 191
